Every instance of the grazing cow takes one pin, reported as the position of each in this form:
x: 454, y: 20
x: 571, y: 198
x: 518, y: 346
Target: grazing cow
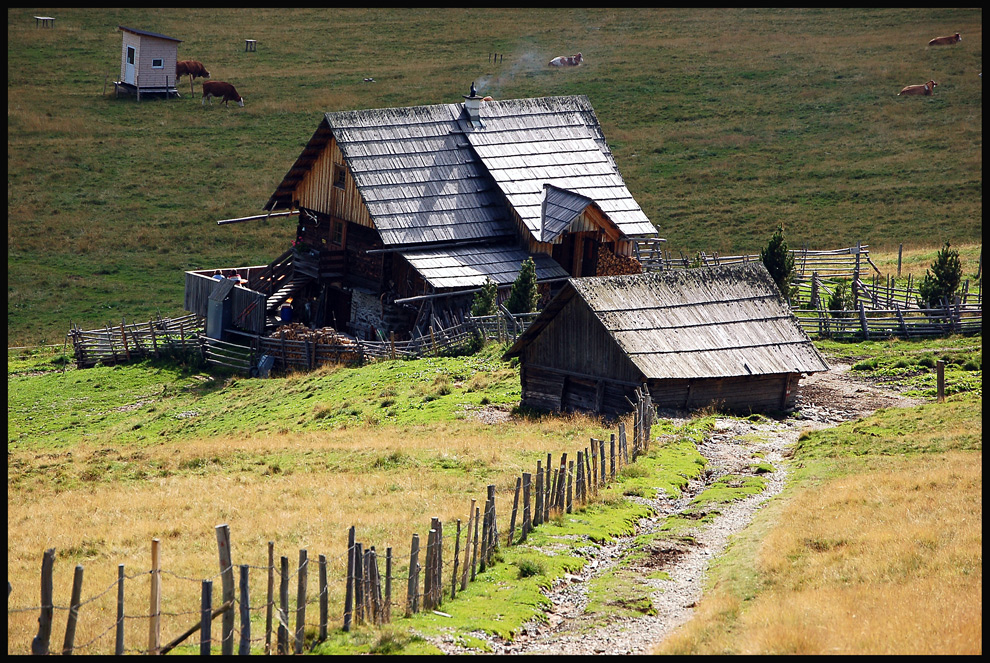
x: 925, y: 90
x: 190, y: 68
x: 945, y: 41
x: 567, y: 61
x: 220, y: 90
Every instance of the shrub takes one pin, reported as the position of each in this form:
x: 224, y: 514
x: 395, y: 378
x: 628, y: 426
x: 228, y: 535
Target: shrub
x: 940, y: 283
x: 841, y: 299
x: 524, y: 296
x: 529, y: 568
x: 484, y: 299
x: 779, y: 262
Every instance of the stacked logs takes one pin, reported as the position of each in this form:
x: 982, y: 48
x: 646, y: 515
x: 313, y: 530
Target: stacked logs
x: 610, y: 264
x: 297, y: 331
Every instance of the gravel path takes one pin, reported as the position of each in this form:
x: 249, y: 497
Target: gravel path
x: 824, y: 400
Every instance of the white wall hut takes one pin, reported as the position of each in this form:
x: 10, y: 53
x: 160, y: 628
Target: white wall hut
x: 147, y: 62
x: 719, y: 336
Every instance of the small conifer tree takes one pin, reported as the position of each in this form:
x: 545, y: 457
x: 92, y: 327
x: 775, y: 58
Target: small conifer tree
x: 942, y: 280
x: 524, y: 296
x: 484, y: 299
x: 779, y: 262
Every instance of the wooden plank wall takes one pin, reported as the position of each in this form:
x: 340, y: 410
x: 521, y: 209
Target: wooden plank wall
x: 597, y: 354
x: 316, y: 190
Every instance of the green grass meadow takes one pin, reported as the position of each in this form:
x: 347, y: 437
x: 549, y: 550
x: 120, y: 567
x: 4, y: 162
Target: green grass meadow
x: 723, y: 122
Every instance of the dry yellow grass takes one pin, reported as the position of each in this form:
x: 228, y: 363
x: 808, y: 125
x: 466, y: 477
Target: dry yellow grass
x: 884, y: 562
x: 290, y: 489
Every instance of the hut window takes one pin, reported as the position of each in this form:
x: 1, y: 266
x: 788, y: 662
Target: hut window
x: 157, y: 63
x: 338, y: 175
x: 337, y: 233
x: 130, y: 54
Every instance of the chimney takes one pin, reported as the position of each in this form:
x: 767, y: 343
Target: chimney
x: 473, y: 106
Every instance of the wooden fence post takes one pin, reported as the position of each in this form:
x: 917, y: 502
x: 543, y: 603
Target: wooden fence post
x: 155, y: 623
x: 594, y: 464
x: 940, y: 379
x: 412, y: 588
x: 359, y: 597
x: 324, y: 605
x: 611, y: 456
x: 526, y: 522
x: 493, y: 534
x: 205, y: 619
x: 245, y: 645
x: 282, y: 645
x: 589, y: 478
x: 474, y: 552
x: 538, y: 497
x: 457, y: 556
x: 546, y: 487
x: 227, y: 583
x: 39, y: 646
x: 601, y: 457
x: 70, y: 626
x: 515, y: 508
x: 118, y: 648
x: 467, y: 548
x: 431, y: 538
x: 271, y: 598
x: 485, y: 532
x: 570, y: 475
x: 578, y: 479
x: 301, y: 599
x: 349, y: 586
x: 388, y: 585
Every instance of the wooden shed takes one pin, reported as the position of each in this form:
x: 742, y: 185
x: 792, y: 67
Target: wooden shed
x: 719, y: 336
x: 147, y: 62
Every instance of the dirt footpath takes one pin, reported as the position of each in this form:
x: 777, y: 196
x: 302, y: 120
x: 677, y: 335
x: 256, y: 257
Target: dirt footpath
x: 824, y: 400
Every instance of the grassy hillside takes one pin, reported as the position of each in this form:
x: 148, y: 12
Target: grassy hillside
x: 102, y: 460
x: 724, y: 123
x: 874, y: 548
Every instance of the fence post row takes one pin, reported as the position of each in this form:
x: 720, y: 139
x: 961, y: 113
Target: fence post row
x: 554, y: 490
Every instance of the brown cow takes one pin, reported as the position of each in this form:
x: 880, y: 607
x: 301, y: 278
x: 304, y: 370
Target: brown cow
x: 945, y: 41
x: 927, y: 90
x: 567, y: 61
x: 221, y: 90
x: 190, y: 68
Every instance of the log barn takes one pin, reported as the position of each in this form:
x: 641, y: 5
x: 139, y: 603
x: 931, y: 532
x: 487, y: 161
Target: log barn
x: 719, y: 336
x: 403, y: 213
x: 147, y: 62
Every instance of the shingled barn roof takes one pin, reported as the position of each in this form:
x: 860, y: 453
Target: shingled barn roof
x: 693, y: 323
x: 428, y: 175
x: 469, y: 266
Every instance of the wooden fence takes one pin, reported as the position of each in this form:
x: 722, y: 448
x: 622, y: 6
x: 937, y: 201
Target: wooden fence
x: 293, y: 354
x: 863, y: 323
x: 845, y: 263
x: 370, y: 596
x: 125, y: 342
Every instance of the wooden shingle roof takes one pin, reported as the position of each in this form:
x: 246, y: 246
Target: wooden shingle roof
x: 528, y: 143
x: 469, y: 266
x: 428, y: 175
x: 708, y: 322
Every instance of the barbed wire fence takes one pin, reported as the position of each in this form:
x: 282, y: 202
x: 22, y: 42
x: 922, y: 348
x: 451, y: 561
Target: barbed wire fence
x: 445, y: 569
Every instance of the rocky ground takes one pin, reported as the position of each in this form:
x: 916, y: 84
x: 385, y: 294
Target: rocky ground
x: 824, y: 400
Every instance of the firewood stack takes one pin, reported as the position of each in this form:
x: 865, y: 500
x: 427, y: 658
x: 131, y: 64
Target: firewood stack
x: 297, y: 331
x: 610, y: 264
